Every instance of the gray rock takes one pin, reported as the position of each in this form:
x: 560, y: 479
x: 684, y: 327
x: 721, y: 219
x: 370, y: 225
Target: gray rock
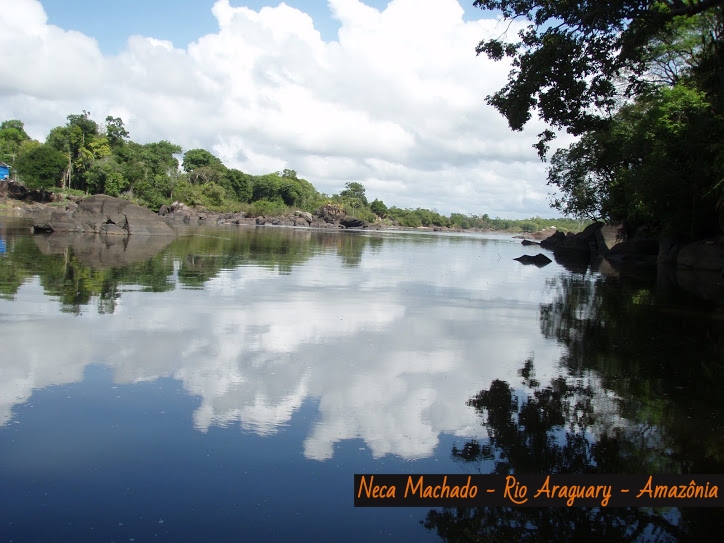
x: 103, y: 214
x: 352, y: 222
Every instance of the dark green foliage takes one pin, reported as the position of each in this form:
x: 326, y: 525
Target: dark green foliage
x: 106, y: 177
x: 12, y: 135
x: 199, y: 158
x: 651, y: 165
x: 41, y: 166
x: 239, y: 183
x: 379, y: 208
x: 571, y: 57
x: 655, y: 158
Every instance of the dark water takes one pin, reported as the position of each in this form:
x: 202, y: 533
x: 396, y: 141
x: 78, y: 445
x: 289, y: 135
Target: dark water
x: 228, y: 387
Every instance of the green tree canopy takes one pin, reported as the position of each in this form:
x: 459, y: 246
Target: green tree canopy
x: 116, y: 133
x: 574, y: 59
x: 200, y: 158
x: 40, y: 166
x: 356, y: 191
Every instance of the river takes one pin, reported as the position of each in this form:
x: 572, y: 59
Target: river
x: 228, y: 387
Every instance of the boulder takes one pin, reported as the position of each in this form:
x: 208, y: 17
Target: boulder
x: 583, y: 242
x: 352, y: 222
x: 553, y: 241
x: 703, y: 255
x: 526, y: 242
x: 304, y: 215
x: 102, y: 214
x: 608, y: 236
x: 639, y: 252
x: 539, y: 260
x: 331, y: 212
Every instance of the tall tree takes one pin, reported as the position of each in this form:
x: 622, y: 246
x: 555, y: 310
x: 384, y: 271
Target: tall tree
x: 116, y: 133
x: 574, y: 60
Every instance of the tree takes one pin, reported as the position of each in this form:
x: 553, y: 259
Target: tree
x: 650, y: 165
x: 379, y: 208
x: 199, y: 158
x: 116, y: 133
x: 240, y: 183
x: 12, y: 135
x: 356, y: 191
x: 40, y: 165
x: 573, y: 60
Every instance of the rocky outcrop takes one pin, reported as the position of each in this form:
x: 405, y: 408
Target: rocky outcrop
x: 102, y: 214
x: 17, y: 191
x: 353, y: 222
x: 331, y: 213
x: 181, y: 214
x: 539, y: 260
x: 553, y: 241
x: 527, y: 242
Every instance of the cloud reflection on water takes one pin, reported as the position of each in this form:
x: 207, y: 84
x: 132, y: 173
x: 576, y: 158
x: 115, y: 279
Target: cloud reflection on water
x: 390, y: 349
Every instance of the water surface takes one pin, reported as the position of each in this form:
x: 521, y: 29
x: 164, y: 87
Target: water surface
x: 230, y: 386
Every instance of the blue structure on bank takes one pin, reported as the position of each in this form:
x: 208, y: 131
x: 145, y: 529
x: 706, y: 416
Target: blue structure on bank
x: 4, y: 171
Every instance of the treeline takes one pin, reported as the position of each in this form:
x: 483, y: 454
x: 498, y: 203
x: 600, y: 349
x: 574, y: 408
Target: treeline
x: 86, y: 157
x: 91, y: 158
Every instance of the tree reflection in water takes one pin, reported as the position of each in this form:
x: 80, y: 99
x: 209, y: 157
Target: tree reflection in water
x: 640, y: 393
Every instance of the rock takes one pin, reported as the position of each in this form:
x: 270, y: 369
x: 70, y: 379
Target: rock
x: 544, y: 234
x: 703, y: 255
x: 304, y: 215
x: 704, y: 284
x: 553, y: 241
x: 352, y: 222
x: 637, y: 252
x: 539, y: 260
x: 103, y: 214
x: 583, y: 242
x: 331, y: 212
x: 526, y: 242
x: 608, y: 236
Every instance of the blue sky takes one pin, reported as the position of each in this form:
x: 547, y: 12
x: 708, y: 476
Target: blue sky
x: 388, y: 93
x: 179, y: 21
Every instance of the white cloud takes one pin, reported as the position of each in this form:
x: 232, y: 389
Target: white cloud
x: 397, y: 102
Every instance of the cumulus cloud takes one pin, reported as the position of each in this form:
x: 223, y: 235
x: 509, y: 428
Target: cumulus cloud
x: 396, y: 102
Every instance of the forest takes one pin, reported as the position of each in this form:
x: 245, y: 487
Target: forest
x: 85, y: 157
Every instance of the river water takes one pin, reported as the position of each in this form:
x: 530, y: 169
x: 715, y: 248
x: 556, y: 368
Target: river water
x: 229, y: 386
